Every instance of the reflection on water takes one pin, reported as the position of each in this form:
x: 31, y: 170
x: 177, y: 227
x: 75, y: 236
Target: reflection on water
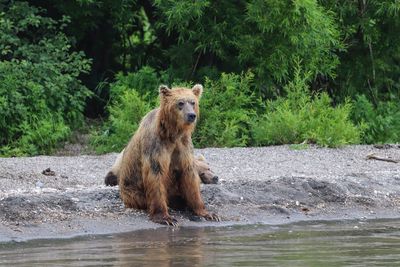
x: 354, y: 243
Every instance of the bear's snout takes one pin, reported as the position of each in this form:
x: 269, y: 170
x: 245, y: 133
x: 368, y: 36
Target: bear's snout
x: 215, y: 180
x: 191, y: 117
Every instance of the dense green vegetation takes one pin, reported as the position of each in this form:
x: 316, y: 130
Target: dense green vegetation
x: 300, y: 116
x: 274, y: 72
x: 41, y: 97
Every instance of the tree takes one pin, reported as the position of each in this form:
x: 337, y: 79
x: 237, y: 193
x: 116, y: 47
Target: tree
x: 371, y: 63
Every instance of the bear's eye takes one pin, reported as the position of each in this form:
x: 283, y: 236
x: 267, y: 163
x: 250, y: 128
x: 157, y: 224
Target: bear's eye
x: 181, y: 104
x: 192, y: 102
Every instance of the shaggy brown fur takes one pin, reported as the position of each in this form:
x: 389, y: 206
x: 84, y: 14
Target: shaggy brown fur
x: 207, y: 176
x: 160, y: 149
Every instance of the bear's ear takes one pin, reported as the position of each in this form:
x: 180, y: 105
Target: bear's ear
x: 164, y: 90
x: 201, y: 158
x: 197, y: 90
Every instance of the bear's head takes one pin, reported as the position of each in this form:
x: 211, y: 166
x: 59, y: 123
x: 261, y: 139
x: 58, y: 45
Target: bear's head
x: 207, y: 176
x: 180, y: 106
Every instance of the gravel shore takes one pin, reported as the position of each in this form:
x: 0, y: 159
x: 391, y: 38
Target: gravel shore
x: 270, y: 185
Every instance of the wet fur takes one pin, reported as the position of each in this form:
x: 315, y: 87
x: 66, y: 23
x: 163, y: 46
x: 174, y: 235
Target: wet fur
x: 206, y: 175
x: 161, y: 147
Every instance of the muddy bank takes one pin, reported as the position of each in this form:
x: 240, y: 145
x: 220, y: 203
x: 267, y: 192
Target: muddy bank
x: 271, y: 185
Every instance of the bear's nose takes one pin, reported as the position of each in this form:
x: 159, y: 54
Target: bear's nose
x: 215, y: 179
x: 191, y: 117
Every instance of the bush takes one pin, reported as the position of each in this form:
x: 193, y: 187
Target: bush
x: 228, y: 115
x: 125, y: 116
x: 132, y: 96
x: 302, y: 117
x: 41, y: 97
x: 145, y: 81
x: 382, y: 124
x: 227, y: 108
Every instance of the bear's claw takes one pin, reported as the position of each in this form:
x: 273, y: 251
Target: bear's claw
x: 212, y: 217
x: 167, y: 220
x: 173, y: 223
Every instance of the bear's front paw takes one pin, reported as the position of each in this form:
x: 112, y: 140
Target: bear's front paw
x: 164, y: 219
x: 208, y: 216
x: 212, y: 217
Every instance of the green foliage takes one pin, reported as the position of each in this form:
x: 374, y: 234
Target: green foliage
x: 41, y: 96
x: 280, y: 32
x: 227, y: 108
x: 41, y: 136
x: 125, y: 116
x: 302, y: 117
x: 126, y: 109
x: 349, y: 50
x: 381, y: 122
x: 145, y: 81
x: 370, y: 65
x: 267, y: 36
x: 301, y: 146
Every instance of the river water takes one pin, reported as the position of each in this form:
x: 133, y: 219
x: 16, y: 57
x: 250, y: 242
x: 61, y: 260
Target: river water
x: 339, y: 243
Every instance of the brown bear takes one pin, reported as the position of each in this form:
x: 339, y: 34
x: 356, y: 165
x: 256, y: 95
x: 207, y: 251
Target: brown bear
x: 206, y: 175
x: 158, y: 162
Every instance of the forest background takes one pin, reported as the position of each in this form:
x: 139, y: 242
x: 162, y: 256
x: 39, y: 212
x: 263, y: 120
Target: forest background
x: 275, y: 72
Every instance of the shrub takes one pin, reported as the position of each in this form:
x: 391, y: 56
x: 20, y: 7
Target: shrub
x: 145, y: 81
x: 382, y: 124
x: 228, y: 116
x: 227, y: 107
x: 331, y: 126
x: 302, y: 117
x: 132, y: 96
x: 41, y: 97
x: 125, y: 115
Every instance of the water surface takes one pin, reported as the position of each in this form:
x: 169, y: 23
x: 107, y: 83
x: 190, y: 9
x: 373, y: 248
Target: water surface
x: 348, y: 243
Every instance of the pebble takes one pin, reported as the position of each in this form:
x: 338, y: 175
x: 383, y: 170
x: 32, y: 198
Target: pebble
x: 39, y: 184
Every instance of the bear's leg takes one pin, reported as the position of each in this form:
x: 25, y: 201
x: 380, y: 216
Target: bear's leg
x: 156, y: 179
x: 133, y: 198
x: 190, y: 189
x: 156, y: 197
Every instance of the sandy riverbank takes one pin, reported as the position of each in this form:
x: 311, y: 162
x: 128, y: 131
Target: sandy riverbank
x: 271, y: 185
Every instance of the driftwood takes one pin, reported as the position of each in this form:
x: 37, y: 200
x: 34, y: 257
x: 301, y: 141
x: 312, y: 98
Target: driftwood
x: 374, y: 156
